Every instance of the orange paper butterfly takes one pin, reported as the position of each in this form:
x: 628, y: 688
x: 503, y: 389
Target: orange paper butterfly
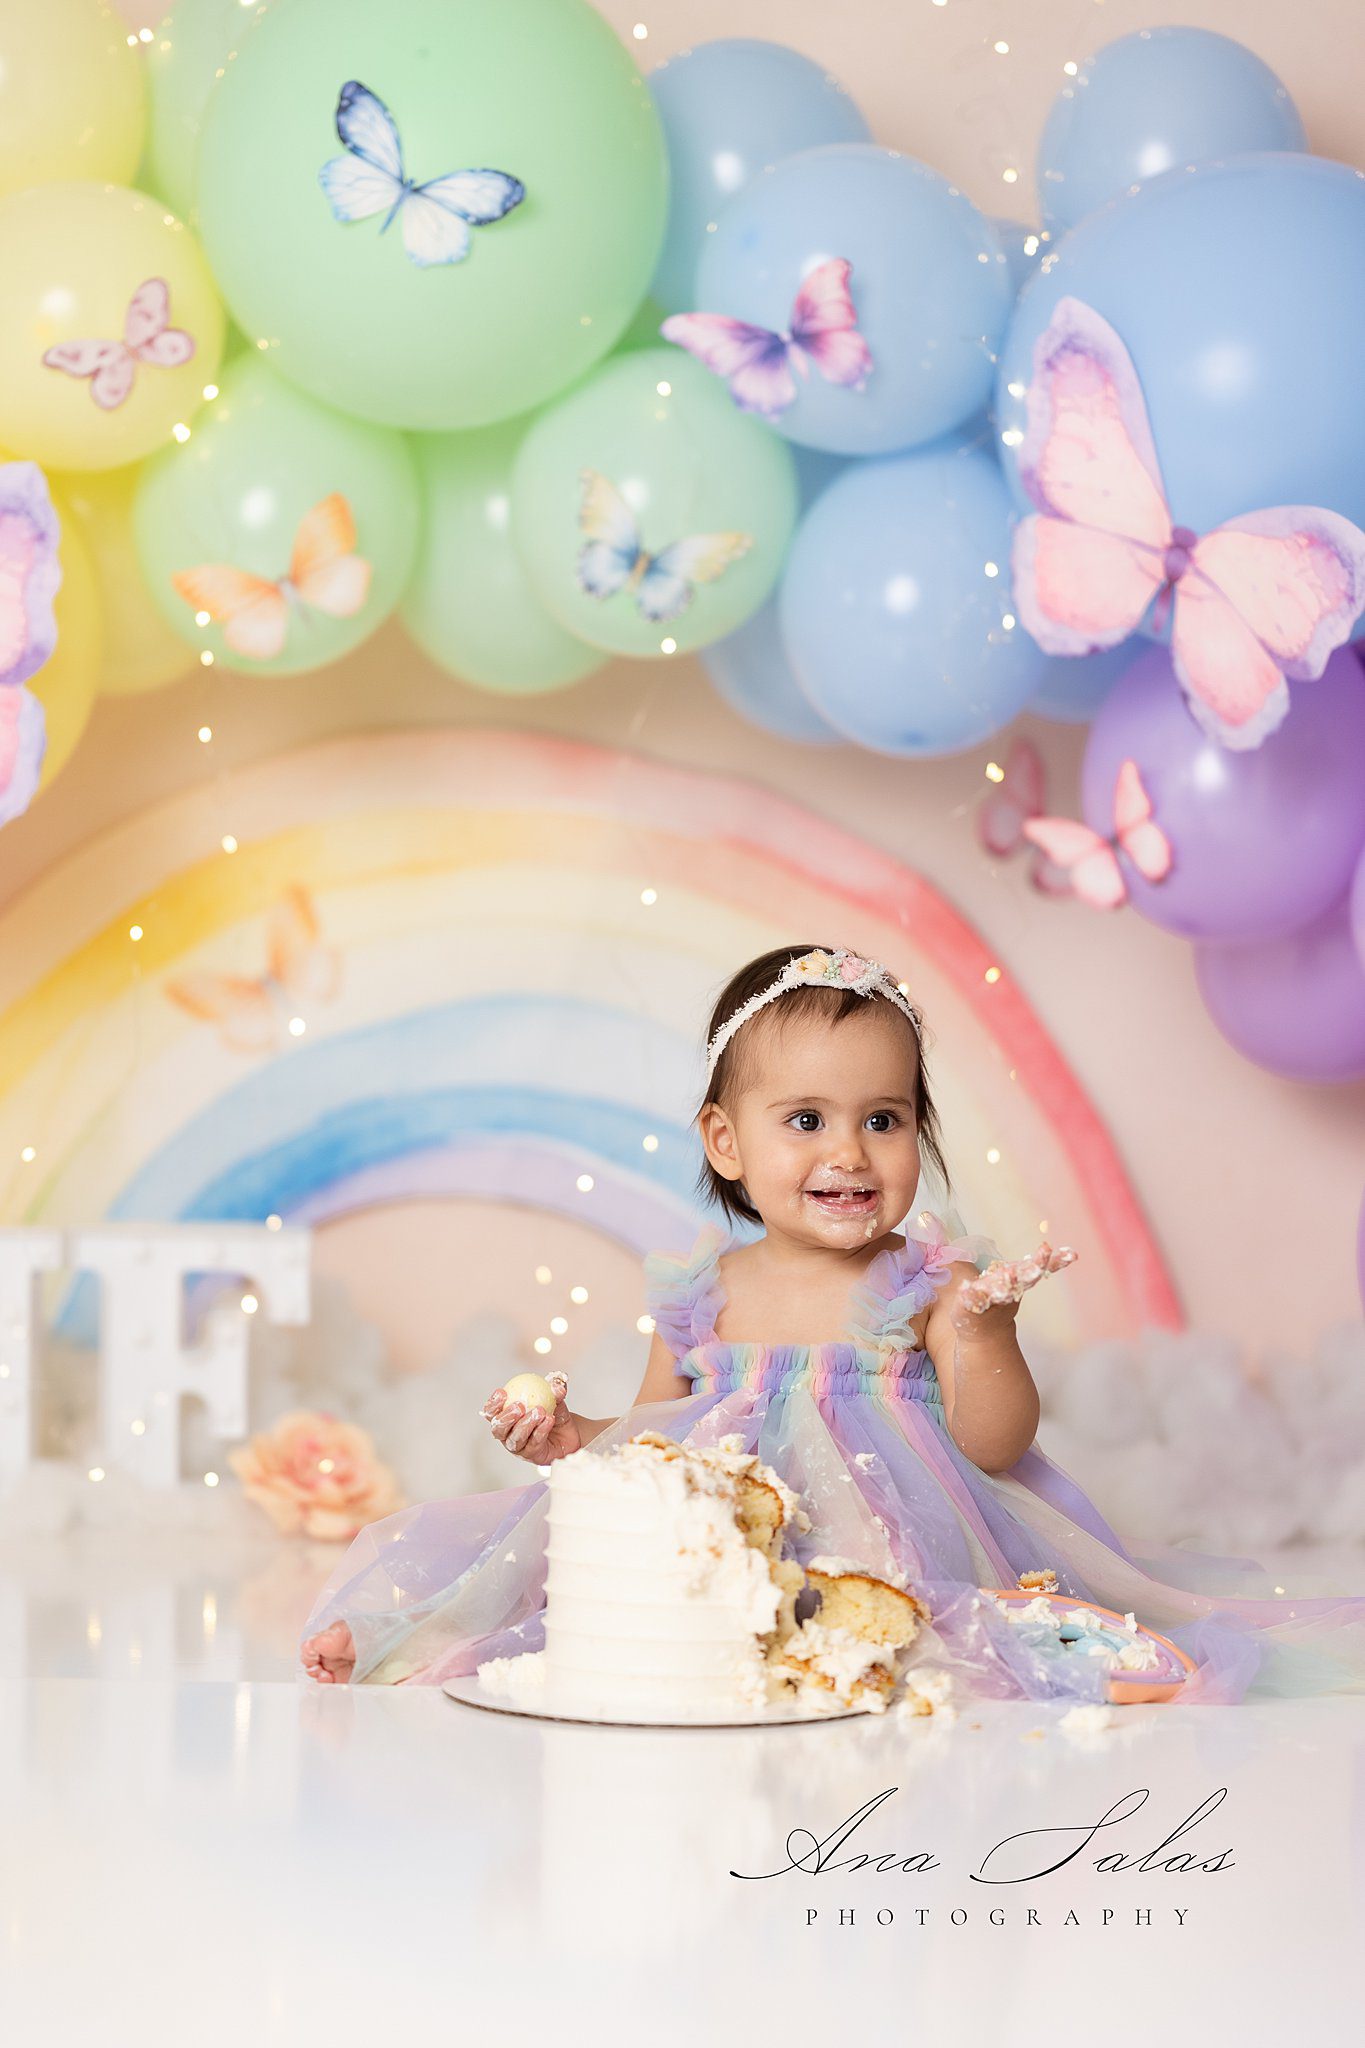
x: 1092, y: 860
x: 252, y: 1013
x: 325, y: 573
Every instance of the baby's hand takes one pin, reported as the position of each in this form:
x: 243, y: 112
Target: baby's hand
x: 1004, y: 1284
x: 529, y: 1432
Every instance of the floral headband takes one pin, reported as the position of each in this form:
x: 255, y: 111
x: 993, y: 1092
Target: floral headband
x: 820, y: 969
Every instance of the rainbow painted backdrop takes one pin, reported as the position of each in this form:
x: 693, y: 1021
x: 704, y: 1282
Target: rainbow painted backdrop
x: 511, y: 1013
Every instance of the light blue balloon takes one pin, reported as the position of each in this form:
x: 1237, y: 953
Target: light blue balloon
x: 750, y: 670
x: 1073, y: 688
x: 729, y: 109
x: 1024, y: 248
x: 1152, y: 102
x: 930, y: 285
x: 895, y: 605
x: 1239, y: 292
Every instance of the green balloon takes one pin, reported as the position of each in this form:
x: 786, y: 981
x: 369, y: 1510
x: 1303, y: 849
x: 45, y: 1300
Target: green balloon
x: 671, y: 462
x: 186, y: 57
x: 470, y: 605
x: 538, y: 92
x: 229, y: 504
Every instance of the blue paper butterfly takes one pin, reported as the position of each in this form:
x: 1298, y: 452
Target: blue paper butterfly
x: 613, y: 557
x: 436, y: 216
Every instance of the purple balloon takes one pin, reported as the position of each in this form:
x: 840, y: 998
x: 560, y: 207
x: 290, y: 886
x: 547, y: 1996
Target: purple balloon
x: 1295, y: 1005
x: 1358, y: 908
x: 1264, y: 839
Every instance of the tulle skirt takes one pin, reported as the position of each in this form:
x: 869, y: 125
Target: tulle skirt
x: 433, y: 1591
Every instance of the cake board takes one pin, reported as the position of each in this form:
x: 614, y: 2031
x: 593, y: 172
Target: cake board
x: 470, y: 1693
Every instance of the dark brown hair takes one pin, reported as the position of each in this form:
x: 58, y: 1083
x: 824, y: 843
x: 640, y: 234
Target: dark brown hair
x: 735, y: 1065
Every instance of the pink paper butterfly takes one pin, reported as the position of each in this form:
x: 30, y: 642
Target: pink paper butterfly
x: 1092, y: 860
x: 112, y: 365
x: 758, y: 364
x: 1259, y: 598
x: 1007, y: 807
x: 29, y: 577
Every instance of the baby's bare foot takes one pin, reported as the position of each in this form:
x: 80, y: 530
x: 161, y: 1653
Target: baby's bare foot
x: 329, y: 1656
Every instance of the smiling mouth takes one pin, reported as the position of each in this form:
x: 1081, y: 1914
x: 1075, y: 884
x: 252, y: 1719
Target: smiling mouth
x: 844, y: 1201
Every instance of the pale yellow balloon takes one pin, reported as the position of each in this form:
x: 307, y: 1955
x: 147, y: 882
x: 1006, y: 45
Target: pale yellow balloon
x: 140, y: 650
x: 72, y: 96
x: 71, y: 258
x: 66, y: 685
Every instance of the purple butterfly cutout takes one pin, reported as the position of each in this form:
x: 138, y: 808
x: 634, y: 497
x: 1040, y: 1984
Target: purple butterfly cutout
x: 758, y: 365
x: 29, y: 577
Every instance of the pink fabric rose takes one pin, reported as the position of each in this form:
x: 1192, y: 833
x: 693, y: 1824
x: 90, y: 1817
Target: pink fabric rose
x: 316, y: 1476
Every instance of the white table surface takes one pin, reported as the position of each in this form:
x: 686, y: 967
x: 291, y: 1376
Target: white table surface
x: 195, y: 1854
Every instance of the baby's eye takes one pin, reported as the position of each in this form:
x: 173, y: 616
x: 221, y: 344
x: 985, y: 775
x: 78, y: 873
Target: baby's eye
x: 889, y: 1114
x: 804, y: 1112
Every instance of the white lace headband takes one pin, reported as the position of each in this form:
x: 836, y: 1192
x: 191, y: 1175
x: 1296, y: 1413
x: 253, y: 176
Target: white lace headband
x: 839, y: 969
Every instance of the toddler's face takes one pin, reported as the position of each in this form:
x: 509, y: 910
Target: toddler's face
x: 829, y: 1107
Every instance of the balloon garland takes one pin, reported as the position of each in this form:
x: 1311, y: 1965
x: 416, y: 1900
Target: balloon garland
x: 318, y: 312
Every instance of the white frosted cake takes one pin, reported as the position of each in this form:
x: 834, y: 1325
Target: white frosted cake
x: 668, y: 1596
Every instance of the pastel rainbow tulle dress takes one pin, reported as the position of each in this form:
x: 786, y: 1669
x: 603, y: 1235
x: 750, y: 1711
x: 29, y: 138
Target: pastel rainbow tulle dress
x: 858, y: 1428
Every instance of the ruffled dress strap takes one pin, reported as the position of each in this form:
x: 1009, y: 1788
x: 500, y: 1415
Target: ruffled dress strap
x: 899, y: 1283
x: 683, y: 1291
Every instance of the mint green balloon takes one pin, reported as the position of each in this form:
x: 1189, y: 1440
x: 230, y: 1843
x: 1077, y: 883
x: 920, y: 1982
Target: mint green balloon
x: 677, y: 460
x: 470, y: 604
x: 541, y: 91
x: 261, y: 456
x: 187, y: 55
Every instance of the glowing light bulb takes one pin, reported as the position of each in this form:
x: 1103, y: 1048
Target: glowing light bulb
x: 579, y: 1294
x: 135, y: 932
x: 249, y: 1304
x: 584, y: 1183
x: 229, y: 843
x: 544, y: 1275
x: 649, y: 896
